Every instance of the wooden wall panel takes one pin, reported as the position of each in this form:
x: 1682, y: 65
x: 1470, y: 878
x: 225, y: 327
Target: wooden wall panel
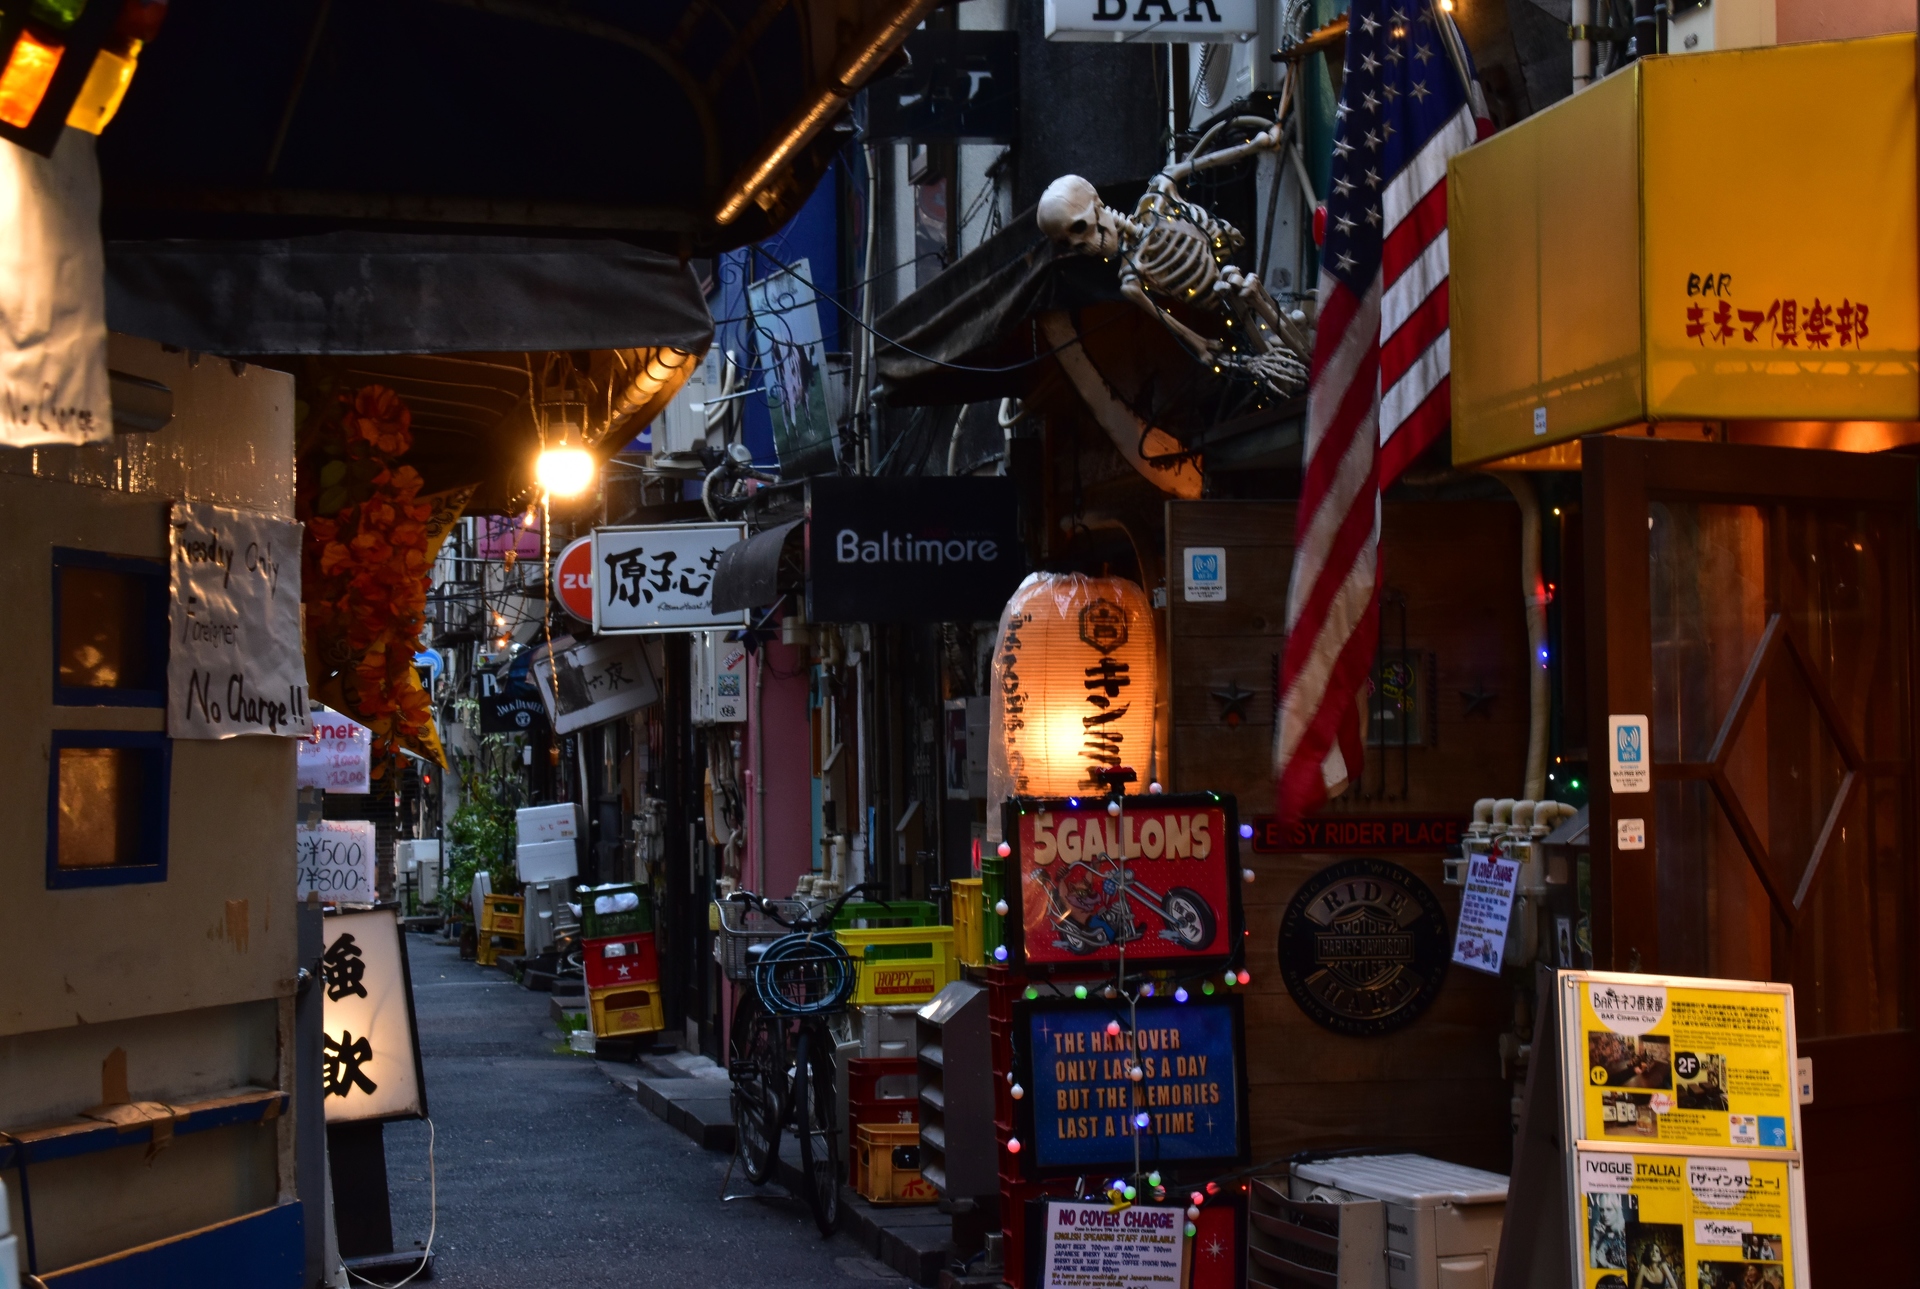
x: 1435, y: 1087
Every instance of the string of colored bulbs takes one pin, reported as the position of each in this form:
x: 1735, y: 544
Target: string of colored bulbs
x: 1122, y: 1191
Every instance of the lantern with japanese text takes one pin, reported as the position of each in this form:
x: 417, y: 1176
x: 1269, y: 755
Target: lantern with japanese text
x: 1073, y: 687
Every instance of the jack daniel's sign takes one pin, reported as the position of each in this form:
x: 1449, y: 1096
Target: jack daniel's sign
x: 1364, y: 947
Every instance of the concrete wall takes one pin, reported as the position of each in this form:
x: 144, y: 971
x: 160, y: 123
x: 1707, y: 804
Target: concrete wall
x: 192, y: 976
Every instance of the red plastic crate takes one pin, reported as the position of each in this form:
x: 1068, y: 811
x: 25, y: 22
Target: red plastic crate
x: 864, y: 1102
x: 633, y: 960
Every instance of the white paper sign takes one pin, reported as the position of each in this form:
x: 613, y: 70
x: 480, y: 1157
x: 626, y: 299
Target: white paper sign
x: 1485, y: 909
x: 53, y: 298
x: 1206, y: 570
x: 596, y: 681
x: 1629, y: 759
x: 368, y: 1069
x: 335, y: 858
x: 338, y: 755
x: 660, y: 577
x: 1093, y: 1246
x: 235, y: 664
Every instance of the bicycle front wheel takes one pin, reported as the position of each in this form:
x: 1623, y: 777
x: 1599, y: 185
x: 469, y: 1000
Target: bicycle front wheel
x: 757, y: 1062
x: 816, y: 1123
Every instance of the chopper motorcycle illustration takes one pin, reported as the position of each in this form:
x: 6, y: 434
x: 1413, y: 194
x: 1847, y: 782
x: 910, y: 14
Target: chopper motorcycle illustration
x: 1090, y: 902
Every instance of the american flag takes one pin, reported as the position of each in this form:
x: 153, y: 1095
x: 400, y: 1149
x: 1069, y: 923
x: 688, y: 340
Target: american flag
x: 1377, y: 395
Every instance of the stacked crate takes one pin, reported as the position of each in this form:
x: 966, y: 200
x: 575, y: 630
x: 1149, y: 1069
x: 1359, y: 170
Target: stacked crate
x: 503, y: 917
x: 622, y: 963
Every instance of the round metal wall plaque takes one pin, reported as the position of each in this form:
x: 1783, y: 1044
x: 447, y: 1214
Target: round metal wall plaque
x: 1364, y: 947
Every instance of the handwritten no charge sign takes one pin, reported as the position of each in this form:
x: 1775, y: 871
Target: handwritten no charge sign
x: 234, y: 664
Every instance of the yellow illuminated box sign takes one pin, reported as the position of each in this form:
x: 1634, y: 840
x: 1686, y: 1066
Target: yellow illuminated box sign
x: 1710, y: 237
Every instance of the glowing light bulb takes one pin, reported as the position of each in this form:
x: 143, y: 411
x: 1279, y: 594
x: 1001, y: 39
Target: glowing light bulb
x: 1146, y: 990
x: 1142, y: 1119
x: 1129, y: 1192
x: 1016, y: 1092
x: 1155, y: 789
x: 1232, y: 979
x: 1135, y: 1073
x: 564, y: 470
x: 1032, y: 993
x: 1080, y: 991
x: 1113, y: 808
x: 999, y: 953
x: 1246, y: 875
x: 1153, y: 1180
x: 1113, y: 1029
x: 1000, y: 908
x: 1207, y: 988
x: 1003, y: 850
x: 1191, y: 1229
x: 1245, y: 976
x: 1180, y: 995
x: 1246, y: 831
x: 1013, y: 1145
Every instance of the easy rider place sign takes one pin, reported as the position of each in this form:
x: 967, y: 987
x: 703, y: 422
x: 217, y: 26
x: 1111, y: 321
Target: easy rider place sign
x: 1158, y: 882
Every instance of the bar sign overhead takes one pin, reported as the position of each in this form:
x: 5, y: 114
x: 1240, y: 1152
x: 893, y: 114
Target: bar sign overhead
x: 1125, y: 21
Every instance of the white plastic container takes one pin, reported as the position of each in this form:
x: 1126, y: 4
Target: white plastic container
x: 547, y: 823
x: 1442, y: 1220
x: 547, y: 861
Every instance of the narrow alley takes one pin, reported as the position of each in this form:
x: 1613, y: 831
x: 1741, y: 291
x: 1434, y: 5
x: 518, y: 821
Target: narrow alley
x: 550, y: 1173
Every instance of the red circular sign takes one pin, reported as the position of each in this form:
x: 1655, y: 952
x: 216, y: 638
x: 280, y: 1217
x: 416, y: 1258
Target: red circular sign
x: 573, y: 578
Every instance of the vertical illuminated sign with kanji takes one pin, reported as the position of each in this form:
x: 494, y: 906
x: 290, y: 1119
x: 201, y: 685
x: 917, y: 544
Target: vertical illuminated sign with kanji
x: 369, y: 1052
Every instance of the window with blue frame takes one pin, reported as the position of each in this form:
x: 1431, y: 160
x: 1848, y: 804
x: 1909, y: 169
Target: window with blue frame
x: 108, y: 790
x: 110, y: 630
x: 107, y: 807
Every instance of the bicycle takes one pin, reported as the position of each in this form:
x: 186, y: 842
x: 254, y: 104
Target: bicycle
x: 781, y: 1048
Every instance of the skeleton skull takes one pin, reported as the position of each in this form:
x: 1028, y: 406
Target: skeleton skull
x: 1072, y: 213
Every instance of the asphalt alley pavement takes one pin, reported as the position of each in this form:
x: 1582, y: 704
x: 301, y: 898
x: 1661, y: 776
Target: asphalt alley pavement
x: 550, y: 1175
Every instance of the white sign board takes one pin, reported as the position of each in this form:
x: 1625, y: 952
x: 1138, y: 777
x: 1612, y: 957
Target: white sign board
x: 596, y: 682
x: 1629, y: 757
x: 1206, y: 574
x: 53, y: 298
x: 660, y: 577
x: 1095, y: 1246
x: 338, y: 755
x: 1486, y: 906
x: 369, y: 1064
x: 235, y: 663
x: 1169, y: 21
x: 334, y: 858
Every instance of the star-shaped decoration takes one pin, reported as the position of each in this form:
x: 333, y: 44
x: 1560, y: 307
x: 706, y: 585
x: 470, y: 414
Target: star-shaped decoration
x: 1420, y: 91
x: 1345, y: 262
x: 1373, y: 178
x: 1340, y: 110
x: 1422, y: 53
x: 1393, y: 54
x: 1345, y: 225
x: 1373, y: 141
x: 1342, y: 187
x: 1368, y: 24
x: 1371, y: 63
x: 1399, y: 15
x: 1341, y: 147
x: 1215, y: 1248
x: 1391, y: 90
x: 1373, y: 104
x: 1233, y: 699
x: 1386, y: 129
x: 1475, y: 700
x: 1373, y: 216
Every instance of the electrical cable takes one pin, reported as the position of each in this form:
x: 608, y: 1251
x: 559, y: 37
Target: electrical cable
x: 433, y: 1221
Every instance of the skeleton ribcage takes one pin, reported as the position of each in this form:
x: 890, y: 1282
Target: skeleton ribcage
x: 1177, y: 260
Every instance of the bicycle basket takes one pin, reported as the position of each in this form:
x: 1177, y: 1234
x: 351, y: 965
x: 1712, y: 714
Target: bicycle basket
x: 742, y: 927
x: 804, y: 975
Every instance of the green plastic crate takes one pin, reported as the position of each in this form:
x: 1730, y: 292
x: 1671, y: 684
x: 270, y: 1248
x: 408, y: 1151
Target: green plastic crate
x: 873, y: 914
x: 596, y: 926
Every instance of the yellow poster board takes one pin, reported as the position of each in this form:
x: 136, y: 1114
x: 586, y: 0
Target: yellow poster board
x: 1689, y: 1223
x: 1682, y: 1127
x: 1685, y: 1064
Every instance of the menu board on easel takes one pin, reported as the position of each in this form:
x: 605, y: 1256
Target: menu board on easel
x: 1682, y: 1151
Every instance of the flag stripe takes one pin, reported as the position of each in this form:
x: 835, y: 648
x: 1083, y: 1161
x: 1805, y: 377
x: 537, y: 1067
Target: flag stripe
x: 1423, y: 223
x: 1415, y: 336
x: 1417, y: 433
x: 1411, y: 390
x: 1398, y: 301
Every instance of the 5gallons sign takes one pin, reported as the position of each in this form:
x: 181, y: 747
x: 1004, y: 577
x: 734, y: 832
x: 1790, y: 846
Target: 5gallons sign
x: 1159, y: 881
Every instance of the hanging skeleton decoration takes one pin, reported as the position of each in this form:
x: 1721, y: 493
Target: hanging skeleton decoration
x: 1173, y: 249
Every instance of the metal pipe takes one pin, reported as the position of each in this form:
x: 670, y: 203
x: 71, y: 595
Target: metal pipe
x: 808, y: 120
x: 1644, y: 40
x: 1582, y: 22
x: 1533, y: 591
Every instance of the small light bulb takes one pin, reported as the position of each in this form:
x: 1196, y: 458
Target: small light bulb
x: 1153, y: 1180
x: 1155, y: 788
x: 1245, y: 976
x: 1113, y: 1029
x: 1213, y: 1188
x: 1246, y: 875
x: 1013, y: 1145
x: 1113, y: 808
x: 1146, y: 990
x: 1032, y: 993
x: 1003, y: 850
x: 1080, y: 991
x: 1180, y: 995
x: 1191, y: 1229
x: 1109, y: 992
x: 1193, y: 1208
x: 1135, y: 1073
x: 1246, y: 831
x: 1129, y: 1192
x: 999, y: 953
x: 1232, y: 978
x: 1000, y: 908
x: 1142, y: 1119
x: 1016, y: 1092
x: 1207, y: 988
x: 564, y: 471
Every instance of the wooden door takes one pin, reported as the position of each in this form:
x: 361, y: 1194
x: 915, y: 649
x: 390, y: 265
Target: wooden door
x: 1756, y: 604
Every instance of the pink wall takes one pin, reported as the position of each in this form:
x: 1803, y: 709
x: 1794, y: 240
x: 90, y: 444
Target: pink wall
x: 1796, y: 20
x: 789, y: 770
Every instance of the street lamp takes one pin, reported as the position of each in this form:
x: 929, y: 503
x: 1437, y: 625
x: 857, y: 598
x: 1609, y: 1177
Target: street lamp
x: 564, y: 469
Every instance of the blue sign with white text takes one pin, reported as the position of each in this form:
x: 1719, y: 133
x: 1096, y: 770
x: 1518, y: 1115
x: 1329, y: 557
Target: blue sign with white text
x: 1087, y: 1108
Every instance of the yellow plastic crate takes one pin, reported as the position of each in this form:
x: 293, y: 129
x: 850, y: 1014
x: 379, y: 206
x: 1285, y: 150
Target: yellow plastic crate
x: 900, y: 964
x: 625, y: 1009
x: 503, y: 915
x: 967, y: 924
x: 879, y: 1168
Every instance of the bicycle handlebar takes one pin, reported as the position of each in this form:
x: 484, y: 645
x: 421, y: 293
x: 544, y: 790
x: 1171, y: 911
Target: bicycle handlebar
x: 766, y: 905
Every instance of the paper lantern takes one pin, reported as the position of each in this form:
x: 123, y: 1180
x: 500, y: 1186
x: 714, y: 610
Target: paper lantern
x: 1073, y: 687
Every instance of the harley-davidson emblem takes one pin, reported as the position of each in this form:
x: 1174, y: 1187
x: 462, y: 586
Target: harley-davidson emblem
x: 1363, y: 947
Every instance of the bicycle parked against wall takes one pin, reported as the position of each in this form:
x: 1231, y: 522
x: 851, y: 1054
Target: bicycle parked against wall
x: 781, y: 1048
